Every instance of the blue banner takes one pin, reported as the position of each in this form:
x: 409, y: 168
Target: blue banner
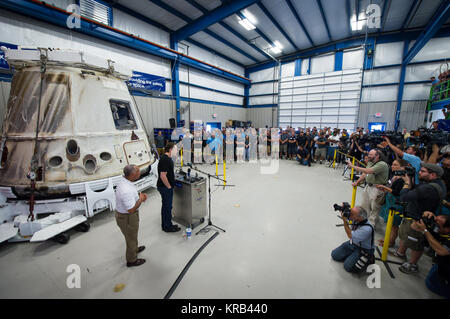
x: 3, y: 63
x: 146, y: 81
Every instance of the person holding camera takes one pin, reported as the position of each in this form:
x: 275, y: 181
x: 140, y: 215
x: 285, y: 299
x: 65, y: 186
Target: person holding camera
x: 376, y: 173
x: 358, y: 251
x: 426, y: 196
x: 410, y: 156
x: 438, y: 236
x: 393, y: 189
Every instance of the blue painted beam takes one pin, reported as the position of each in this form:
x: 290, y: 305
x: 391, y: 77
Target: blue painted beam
x: 139, y: 16
x: 229, y: 29
x: 210, y: 89
x: 210, y: 33
x: 348, y: 44
x: 439, y: 18
x: 298, y: 67
x: 349, y: 16
x: 206, y: 48
x: 297, y: 17
x: 197, y: 6
x: 261, y: 34
x: 276, y: 24
x: 175, y: 66
x: 338, y: 59
x: 409, y: 14
x: 237, y: 34
x: 368, y: 60
x: 401, y: 86
x: 247, y: 92
x: 324, y: 18
x: 384, y: 13
x: 216, y: 15
x: 231, y: 45
x: 57, y: 16
x: 157, y: 24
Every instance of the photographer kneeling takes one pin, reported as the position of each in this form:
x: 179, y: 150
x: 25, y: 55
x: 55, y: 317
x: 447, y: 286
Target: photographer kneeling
x: 358, y: 252
x: 436, y: 231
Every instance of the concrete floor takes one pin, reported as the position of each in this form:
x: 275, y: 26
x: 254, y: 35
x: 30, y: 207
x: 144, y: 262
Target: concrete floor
x: 280, y: 230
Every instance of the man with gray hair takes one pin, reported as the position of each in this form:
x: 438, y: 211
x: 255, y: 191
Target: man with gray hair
x: 128, y: 202
x: 360, y: 243
x: 376, y: 173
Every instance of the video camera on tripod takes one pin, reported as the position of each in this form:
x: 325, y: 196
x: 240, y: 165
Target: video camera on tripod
x: 376, y: 138
x: 429, y: 137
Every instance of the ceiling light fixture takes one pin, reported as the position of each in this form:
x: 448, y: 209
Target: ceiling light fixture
x: 246, y: 24
x: 358, y: 24
x: 277, y: 48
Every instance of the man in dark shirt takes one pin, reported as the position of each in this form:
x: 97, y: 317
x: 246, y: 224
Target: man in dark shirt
x: 303, y: 156
x: 292, y: 144
x: 426, y: 196
x: 160, y: 141
x: 166, y: 182
x: 301, y: 139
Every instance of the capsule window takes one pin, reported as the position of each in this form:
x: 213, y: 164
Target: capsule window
x: 55, y: 161
x: 72, y: 150
x: 122, y: 115
x: 105, y: 156
x: 90, y: 163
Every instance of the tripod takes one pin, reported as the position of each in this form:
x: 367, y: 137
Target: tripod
x: 210, y: 224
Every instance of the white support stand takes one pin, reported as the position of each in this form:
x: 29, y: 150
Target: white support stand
x: 106, y: 197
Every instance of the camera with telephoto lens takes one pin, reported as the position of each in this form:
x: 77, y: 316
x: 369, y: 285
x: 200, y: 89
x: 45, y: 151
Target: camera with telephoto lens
x: 345, y: 209
x: 430, y: 223
x: 410, y: 171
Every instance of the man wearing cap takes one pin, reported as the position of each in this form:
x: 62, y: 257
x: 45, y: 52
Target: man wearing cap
x: 427, y: 196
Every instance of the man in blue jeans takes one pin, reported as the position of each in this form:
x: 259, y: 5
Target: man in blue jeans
x: 166, y: 182
x: 360, y: 238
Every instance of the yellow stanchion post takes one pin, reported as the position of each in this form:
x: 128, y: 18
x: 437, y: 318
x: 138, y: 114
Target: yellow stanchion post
x: 387, y: 235
x: 224, y: 173
x: 217, y: 167
x: 354, y: 187
x: 334, y: 159
x: 181, y: 150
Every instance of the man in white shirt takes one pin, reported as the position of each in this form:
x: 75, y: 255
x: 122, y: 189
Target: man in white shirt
x: 333, y: 146
x: 128, y: 202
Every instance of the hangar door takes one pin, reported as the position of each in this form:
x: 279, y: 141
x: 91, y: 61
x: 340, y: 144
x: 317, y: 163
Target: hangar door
x: 323, y: 99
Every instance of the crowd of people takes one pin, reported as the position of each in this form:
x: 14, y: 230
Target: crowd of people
x: 440, y: 86
x: 413, y: 182
x: 403, y: 174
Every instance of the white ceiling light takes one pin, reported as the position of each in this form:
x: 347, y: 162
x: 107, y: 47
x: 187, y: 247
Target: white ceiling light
x: 250, y: 17
x: 277, y: 48
x: 358, y: 24
x: 246, y: 24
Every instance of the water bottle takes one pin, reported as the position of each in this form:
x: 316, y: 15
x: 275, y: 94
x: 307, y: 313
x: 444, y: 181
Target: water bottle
x: 188, y: 233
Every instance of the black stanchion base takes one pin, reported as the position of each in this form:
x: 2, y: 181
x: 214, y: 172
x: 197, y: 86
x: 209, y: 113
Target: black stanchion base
x: 210, y: 224
x: 387, y: 262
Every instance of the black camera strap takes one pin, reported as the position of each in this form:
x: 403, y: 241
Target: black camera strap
x: 365, y: 223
